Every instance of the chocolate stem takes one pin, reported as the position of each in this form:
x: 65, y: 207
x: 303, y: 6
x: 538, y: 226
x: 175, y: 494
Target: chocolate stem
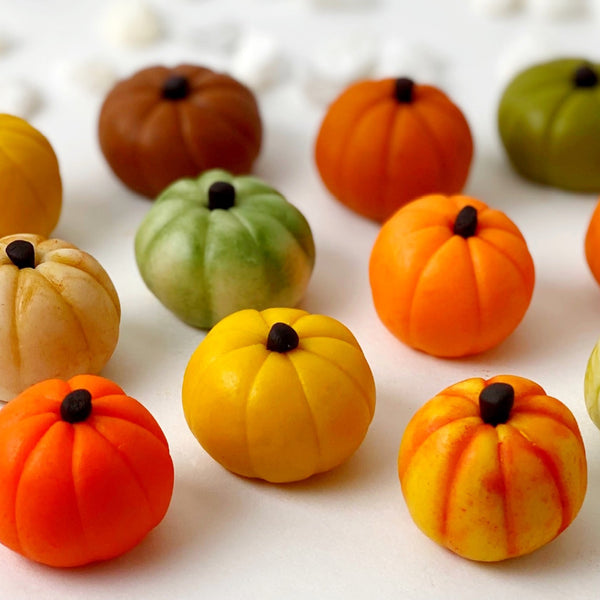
x: 176, y: 87
x: 22, y: 254
x: 495, y: 403
x: 76, y: 406
x: 403, y: 90
x: 221, y: 195
x: 585, y: 77
x: 465, y: 224
x: 282, y: 338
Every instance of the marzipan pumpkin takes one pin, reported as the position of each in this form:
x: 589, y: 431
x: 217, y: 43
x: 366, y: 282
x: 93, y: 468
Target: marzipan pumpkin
x: 385, y: 143
x: 60, y: 314
x: 279, y: 394
x: 592, y: 385
x: 217, y: 244
x: 549, y: 122
x: 493, y: 469
x: 162, y: 124
x: 85, y: 470
x: 592, y: 244
x: 30, y: 183
x: 450, y: 276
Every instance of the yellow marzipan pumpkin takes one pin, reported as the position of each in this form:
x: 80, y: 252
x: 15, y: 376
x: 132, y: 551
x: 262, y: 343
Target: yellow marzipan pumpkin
x: 30, y: 184
x: 279, y: 394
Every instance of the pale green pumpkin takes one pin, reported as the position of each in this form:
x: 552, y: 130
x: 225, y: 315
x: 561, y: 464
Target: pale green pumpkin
x: 217, y: 244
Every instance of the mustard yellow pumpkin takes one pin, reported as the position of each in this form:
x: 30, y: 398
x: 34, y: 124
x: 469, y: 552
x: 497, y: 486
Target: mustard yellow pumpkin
x: 30, y: 184
x: 60, y: 312
x: 280, y: 394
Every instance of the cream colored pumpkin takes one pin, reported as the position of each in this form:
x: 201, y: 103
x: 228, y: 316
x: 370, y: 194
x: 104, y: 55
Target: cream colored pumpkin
x: 59, y: 314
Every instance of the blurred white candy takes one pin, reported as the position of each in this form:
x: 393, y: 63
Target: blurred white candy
x: 257, y: 61
x: 524, y: 52
x: 343, y: 3
x: 19, y: 98
x: 336, y: 64
x: 220, y: 37
x: 92, y: 75
x: 558, y: 9
x: 496, y: 8
x: 402, y: 59
x: 132, y: 23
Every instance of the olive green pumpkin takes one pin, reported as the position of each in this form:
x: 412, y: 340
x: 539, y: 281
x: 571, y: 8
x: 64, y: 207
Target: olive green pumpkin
x: 549, y: 121
x: 217, y: 244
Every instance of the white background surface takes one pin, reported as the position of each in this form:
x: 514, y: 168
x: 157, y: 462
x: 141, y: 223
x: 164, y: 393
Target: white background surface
x: 346, y: 534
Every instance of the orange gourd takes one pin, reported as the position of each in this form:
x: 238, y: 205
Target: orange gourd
x: 450, y: 276
x: 493, y: 469
x: 592, y: 243
x: 85, y: 471
x: 385, y: 143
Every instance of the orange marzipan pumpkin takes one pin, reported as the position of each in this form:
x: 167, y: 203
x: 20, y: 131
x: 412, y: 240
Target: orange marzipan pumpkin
x: 592, y: 243
x: 385, y: 143
x: 493, y: 469
x: 85, y: 470
x: 450, y: 276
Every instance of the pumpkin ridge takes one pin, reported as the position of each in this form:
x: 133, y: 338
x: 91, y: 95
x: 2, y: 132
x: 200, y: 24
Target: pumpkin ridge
x: 416, y: 287
x: 249, y: 394
x: 548, y: 133
x: 88, y: 545
x: 435, y: 144
x: 272, y: 219
x: 553, y: 471
x: 14, y: 328
x: 326, y: 337
x: 523, y: 411
x: 507, y: 257
x: 387, y: 144
x: 129, y: 421
x: 477, y: 294
x: 53, y: 285
x: 205, y: 279
x: 508, y: 521
x: 18, y: 483
x: 470, y: 436
x: 32, y: 188
x: 363, y: 392
x: 107, y: 286
x: 194, y: 151
x: 137, y: 150
x: 337, y: 181
x: 319, y: 467
x: 163, y: 230
x: 204, y: 105
x: 130, y: 469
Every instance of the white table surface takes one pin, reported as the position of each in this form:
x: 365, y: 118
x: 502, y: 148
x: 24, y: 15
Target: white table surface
x: 345, y: 534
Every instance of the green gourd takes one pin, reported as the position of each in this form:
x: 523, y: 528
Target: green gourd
x: 218, y: 244
x: 549, y: 122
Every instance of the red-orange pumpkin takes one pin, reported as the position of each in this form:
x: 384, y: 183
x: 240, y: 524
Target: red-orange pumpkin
x: 385, y: 143
x: 162, y: 124
x: 85, y: 471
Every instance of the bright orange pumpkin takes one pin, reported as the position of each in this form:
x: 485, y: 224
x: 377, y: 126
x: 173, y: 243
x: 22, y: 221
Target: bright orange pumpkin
x: 493, y: 469
x: 592, y: 243
x: 450, y: 276
x: 385, y: 143
x: 85, y: 471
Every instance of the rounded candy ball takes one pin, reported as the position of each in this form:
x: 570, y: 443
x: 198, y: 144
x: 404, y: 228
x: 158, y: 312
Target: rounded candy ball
x: 493, y: 469
x: 549, y: 121
x: 217, y: 244
x: 30, y: 183
x: 162, y: 124
x: 385, y: 143
x: 61, y: 312
x: 592, y: 385
x: 592, y: 243
x: 279, y: 395
x: 85, y: 470
x: 450, y: 276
